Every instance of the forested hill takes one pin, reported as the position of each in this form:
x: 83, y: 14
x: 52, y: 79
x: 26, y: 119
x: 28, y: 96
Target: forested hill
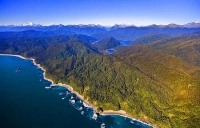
x: 149, y: 38
x: 148, y: 84
x: 106, y: 43
x: 33, y: 46
x: 186, y: 47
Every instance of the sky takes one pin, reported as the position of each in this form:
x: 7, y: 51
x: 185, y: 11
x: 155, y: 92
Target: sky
x: 104, y: 12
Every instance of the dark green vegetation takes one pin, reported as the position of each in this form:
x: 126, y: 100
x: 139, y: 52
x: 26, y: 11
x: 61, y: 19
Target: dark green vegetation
x: 106, y: 43
x: 158, y: 82
x: 188, y: 48
x: 149, y: 38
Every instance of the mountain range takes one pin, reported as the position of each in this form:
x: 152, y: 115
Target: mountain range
x: 116, y: 26
x: 119, y: 32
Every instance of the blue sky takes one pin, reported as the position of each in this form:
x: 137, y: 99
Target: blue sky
x: 106, y: 12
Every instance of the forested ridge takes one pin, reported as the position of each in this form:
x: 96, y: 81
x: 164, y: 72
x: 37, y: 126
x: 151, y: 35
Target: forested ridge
x: 106, y: 43
x: 153, y: 82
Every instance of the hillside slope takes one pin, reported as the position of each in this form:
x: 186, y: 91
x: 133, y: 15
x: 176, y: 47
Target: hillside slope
x: 150, y: 85
x: 106, y: 43
x: 149, y: 38
x: 186, y: 47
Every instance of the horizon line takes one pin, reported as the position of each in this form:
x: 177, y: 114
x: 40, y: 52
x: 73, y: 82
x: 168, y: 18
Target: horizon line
x: 98, y: 24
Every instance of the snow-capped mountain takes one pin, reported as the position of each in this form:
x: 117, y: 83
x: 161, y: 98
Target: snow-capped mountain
x: 116, y: 26
x: 27, y: 24
x: 192, y: 25
x: 56, y: 29
x: 118, y: 31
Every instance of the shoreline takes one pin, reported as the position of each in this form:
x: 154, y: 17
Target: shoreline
x: 124, y: 114
x: 105, y: 112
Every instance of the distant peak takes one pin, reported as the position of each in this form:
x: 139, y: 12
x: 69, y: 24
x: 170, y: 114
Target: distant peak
x: 153, y: 25
x: 28, y: 24
x: 116, y: 26
x: 173, y: 25
x: 192, y: 25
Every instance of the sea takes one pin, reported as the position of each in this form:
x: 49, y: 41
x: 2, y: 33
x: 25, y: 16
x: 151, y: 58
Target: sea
x: 27, y: 100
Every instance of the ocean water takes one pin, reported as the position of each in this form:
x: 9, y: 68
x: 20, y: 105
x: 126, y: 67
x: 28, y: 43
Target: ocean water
x: 26, y: 101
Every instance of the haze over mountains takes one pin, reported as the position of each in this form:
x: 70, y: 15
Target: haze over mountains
x: 155, y: 78
x: 188, y: 25
x: 120, y: 32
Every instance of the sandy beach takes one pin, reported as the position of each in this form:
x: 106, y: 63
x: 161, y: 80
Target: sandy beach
x: 105, y: 112
x: 124, y: 114
x: 13, y: 55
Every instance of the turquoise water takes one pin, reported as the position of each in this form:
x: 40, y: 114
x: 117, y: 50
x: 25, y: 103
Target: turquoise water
x: 26, y: 103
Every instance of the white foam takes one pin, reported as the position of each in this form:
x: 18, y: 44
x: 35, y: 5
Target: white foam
x: 84, y: 104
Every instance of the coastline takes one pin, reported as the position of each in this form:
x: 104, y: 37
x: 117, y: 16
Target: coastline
x: 105, y: 112
x: 124, y: 114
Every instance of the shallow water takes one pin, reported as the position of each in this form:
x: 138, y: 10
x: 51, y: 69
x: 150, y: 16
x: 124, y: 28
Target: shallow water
x: 25, y: 102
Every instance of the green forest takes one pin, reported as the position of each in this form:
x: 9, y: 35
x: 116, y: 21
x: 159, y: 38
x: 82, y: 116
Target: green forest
x: 157, y: 79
